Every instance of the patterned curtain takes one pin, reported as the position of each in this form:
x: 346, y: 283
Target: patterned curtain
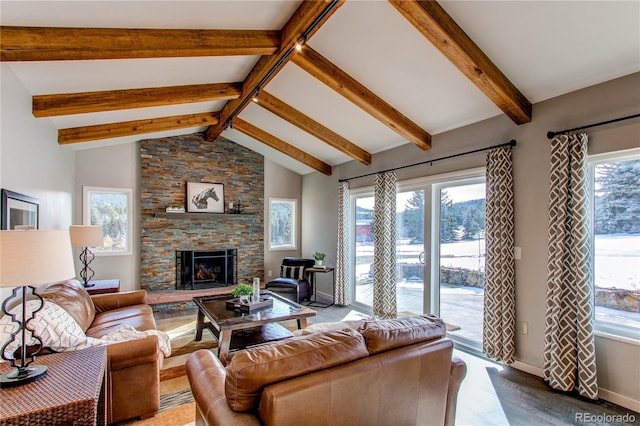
x: 343, y: 260
x: 569, y: 350
x: 384, y: 246
x: 499, y: 322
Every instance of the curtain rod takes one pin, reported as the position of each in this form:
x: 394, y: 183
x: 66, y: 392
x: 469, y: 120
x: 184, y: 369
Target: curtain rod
x: 551, y: 135
x: 511, y: 143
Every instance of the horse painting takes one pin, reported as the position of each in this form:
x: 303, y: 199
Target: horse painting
x: 201, y: 200
x: 205, y: 197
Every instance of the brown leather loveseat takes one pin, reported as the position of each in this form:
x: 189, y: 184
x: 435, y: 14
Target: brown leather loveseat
x: 133, y: 367
x: 386, y: 372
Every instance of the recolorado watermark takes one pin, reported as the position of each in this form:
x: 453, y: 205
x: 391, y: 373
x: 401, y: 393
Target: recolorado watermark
x: 604, y: 418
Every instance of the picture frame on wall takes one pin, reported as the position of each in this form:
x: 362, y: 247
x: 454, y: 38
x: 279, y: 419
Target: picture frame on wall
x: 205, y: 197
x: 19, y: 211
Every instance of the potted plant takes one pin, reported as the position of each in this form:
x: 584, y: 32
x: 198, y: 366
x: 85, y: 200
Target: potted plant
x: 243, y: 291
x: 319, y: 257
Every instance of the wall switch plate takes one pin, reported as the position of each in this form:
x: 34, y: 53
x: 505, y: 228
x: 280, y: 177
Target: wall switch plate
x: 524, y: 327
x: 270, y: 273
x: 517, y: 253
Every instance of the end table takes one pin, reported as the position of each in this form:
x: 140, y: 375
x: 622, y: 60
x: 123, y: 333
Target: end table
x: 322, y: 270
x: 72, y: 392
x: 104, y: 286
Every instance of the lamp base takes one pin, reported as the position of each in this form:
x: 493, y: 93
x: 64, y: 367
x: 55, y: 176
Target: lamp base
x: 88, y: 284
x: 22, y: 376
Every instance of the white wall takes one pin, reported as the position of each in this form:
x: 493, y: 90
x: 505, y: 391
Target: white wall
x: 618, y: 372
x: 31, y: 161
x: 114, y: 166
x: 280, y: 183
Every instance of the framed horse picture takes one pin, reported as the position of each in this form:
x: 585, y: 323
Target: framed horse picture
x: 205, y: 197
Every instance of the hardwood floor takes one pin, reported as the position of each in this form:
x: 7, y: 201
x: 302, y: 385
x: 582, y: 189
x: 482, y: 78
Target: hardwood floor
x: 494, y: 394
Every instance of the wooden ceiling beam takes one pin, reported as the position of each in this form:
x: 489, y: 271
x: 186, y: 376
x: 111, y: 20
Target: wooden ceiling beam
x: 328, y: 73
x: 309, y: 125
x: 447, y: 36
x: 136, y: 127
x: 280, y: 145
x: 81, y: 103
x: 60, y: 44
x: 305, y: 21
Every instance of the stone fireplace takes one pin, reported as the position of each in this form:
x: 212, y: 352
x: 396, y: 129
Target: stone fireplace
x: 166, y: 165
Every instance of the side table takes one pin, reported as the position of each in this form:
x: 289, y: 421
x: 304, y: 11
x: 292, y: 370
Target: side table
x: 72, y: 392
x: 104, y: 286
x: 312, y: 274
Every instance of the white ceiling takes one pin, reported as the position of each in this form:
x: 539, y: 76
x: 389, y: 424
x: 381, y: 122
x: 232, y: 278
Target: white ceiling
x: 546, y: 48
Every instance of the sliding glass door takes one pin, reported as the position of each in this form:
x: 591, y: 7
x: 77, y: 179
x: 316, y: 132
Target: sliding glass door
x: 439, y: 251
x: 363, y: 289
x: 459, y: 257
x: 410, y: 251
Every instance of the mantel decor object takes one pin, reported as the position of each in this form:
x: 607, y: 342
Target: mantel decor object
x: 86, y: 236
x: 236, y: 208
x: 29, y: 259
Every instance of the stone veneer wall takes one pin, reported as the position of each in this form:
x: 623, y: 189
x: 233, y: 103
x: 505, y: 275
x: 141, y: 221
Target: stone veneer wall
x: 166, y: 165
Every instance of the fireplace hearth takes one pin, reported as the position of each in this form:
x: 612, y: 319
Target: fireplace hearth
x: 197, y: 269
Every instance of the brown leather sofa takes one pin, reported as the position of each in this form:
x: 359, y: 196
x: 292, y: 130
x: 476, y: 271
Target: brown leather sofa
x: 386, y: 372
x: 133, y: 367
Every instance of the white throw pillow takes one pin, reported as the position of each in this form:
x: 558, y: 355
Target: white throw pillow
x: 322, y: 327
x: 57, y: 329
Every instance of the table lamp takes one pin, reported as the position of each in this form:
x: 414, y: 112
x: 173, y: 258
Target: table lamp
x: 86, y: 236
x: 29, y: 259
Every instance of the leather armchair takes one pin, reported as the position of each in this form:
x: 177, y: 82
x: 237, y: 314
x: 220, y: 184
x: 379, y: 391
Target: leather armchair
x: 298, y: 285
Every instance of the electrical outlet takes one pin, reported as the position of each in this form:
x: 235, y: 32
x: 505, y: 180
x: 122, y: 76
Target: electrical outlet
x: 270, y: 273
x: 517, y: 253
x: 524, y: 328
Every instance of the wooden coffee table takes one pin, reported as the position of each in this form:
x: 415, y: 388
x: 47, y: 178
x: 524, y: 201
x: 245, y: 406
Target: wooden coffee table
x: 235, y: 330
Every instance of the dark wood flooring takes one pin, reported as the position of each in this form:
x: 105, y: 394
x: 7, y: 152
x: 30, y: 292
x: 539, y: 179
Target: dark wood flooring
x: 494, y: 394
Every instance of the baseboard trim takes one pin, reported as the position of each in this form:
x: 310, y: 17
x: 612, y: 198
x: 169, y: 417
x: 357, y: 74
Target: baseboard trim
x: 607, y: 395
x: 527, y: 368
x: 621, y: 400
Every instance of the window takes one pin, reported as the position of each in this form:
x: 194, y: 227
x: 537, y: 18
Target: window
x: 282, y: 224
x: 615, y: 183
x: 111, y: 208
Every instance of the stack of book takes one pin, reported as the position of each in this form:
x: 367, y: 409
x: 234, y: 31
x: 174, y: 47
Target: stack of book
x: 175, y: 209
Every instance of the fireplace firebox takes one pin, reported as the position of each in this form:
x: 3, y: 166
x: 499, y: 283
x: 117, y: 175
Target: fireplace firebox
x: 196, y: 270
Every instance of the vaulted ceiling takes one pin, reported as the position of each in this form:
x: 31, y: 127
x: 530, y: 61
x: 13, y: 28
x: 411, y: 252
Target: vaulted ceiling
x: 308, y: 84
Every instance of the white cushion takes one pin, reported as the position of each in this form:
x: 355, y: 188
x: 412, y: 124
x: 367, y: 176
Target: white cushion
x: 57, y: 329
x: 328, y: 326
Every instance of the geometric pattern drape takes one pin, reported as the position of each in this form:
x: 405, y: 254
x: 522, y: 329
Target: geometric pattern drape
x: 569, y: 349
x: 384, y: 246
x: 343, y: 260
x: 499, y: 315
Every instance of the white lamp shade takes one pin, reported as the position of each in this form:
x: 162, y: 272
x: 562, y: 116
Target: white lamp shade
x: 86, y: 235
x: 35, y: 257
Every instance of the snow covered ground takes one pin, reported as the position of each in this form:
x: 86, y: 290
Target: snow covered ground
x: 617, y: 258
x: 617, y: 264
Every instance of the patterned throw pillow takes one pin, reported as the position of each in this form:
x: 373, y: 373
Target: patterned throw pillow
x: 295, y: 272
x: 57, y: 329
